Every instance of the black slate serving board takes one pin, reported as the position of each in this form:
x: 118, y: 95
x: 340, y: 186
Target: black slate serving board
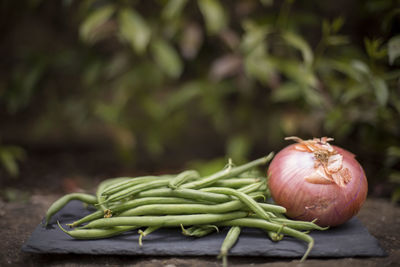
x: 349, y: 240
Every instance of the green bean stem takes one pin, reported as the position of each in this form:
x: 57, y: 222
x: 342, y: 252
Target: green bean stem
x: 274, y: 236
x: 265, y: 225
x: 148, y: 231
x: 61, y: 202
x: 228, y: 172
x: 229, y: 241
x: 165, y: 221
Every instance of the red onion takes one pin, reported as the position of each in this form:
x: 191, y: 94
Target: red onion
x: 314, y: 180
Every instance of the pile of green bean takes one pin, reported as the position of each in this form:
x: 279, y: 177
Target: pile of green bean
x: 233, y: 197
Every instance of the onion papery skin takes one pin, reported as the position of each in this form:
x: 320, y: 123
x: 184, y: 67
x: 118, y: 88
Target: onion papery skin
x: 330, y: 204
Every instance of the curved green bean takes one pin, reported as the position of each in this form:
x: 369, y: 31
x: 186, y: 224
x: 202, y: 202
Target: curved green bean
x: 103, y: 186
x: 229, y: 241
x: 299, y: 225
x: 263, y: 224
x: 199, y: 230
x: 97, y: 233
x: 183, y: 178
x: 250, y: 202
x: 130, y: 191
x: 251, y: 187
x: 132, y: 182
x: 229, y: 172
x: 61, y: 202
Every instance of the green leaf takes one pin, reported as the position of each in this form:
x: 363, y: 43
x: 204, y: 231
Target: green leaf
x: 335, y: 40
x: 134, y: 29
x: 345, y: 68
x: 394, y: 177
x: 354, y: 92
x: 253, y: 40
x: 394, y: 49
x: 372, y: 46
x: 214, y: 15
x: 299, y: 43
x: 238, y: 148
x: 326, y: 28
x: 88, y: 28
x: 173, y: 9
x: 394, y: 151
x: 295, y: 70
x: 259, y: 68
x: 9, y: 156
x: 381, y: 90
x: 287, y: 92
x: 183, y: 95
x: 361, y: 67
x: 337, y: 24
x: 207, y: 167
x: 167, y: 58
x: 267, y: 2
x: 396, y: 195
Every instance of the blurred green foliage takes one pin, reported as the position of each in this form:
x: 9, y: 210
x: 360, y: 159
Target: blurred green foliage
x: 191, y: 79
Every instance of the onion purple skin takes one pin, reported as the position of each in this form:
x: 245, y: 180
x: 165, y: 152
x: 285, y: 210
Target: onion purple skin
x: 330, y: 204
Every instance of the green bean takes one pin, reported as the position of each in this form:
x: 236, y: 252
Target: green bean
x: 251, y: 188
x: 272, y: 208
x: 229, y: 241
x: 103, y: 186
x: 235, y: 182
x: 97, y: 233
x: 274, y: 236
x: 136, y: 189
x: 132, y: 204
x: 263, y: 224
x: 61, y: 202
x: 199, y: 230
x: 183, y: 178
x: 185, y: 193
x: 299, y: 225
x: 226, y: 173
x: 92, y: 216
x: 165, y: 221
x: 175, y: 209
x: 132, y: 182
x: 148, y: 231
x: 251, y: 203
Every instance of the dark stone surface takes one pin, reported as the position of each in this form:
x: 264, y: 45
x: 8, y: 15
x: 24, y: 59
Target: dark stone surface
x: 349, y: 240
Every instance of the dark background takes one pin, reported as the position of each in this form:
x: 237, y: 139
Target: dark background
x: 94, y: 89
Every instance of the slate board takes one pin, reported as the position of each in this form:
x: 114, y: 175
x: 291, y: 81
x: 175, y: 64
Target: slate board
x: 349, y: 240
